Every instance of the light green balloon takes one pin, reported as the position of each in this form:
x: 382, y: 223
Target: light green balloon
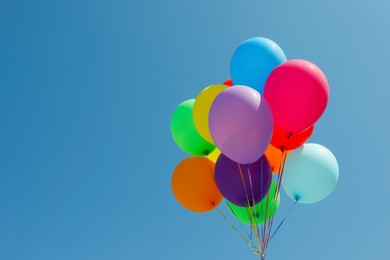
x: 184, y: 132
x: 310, y: 173
x: 259, y: 213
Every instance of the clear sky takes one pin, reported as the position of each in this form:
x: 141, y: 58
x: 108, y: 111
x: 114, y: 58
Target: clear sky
x: 87, y: 89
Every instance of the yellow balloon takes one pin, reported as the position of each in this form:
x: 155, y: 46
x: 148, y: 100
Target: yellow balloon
x: 202, y: 108
x: 214, y: 155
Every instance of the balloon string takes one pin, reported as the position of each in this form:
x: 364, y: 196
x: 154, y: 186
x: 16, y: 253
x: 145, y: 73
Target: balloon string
x: 253, y: 195
x: 232, y: 226
x: 261, y: 192
x: 260, y: 255
x: 265, y: 222
x: 243, y: 183
x: 249, y: 205
x: 284, y: 219
x: 262, y: 250
x: 268, y: 224
x: 279, y: 187
x: 254, y: 210
x: 258, y: 251
x: 251, y: 230
x: 248, y: 240
x: 242, y: 227
x: 281, y: 171
x: 265, y: 225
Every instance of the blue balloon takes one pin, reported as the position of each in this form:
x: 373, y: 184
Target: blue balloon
x: 253, y: 61
x: 310, y: 173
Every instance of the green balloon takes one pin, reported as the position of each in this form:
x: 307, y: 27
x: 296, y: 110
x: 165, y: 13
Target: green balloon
x: 184, y: 131
x: 244, y: 214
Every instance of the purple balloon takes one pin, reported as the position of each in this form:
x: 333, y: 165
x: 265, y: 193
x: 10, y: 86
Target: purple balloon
x: 241, y: 124
x: 257, y: 178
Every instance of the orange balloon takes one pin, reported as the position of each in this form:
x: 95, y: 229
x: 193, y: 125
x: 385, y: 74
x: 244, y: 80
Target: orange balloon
x: 193, y: 184
x: 274, y: 156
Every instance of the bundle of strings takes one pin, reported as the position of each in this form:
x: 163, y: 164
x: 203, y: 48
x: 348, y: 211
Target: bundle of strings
x: 260, y: 234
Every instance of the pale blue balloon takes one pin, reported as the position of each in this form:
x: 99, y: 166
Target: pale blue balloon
x: 253, y: 61
x: 310, y: 173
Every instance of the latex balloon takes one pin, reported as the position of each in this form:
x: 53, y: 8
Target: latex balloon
x: 241, y: 124
x: 202, y: 107
x: 263, y: 210
x: 253, y: 61
x: 193, y: 184
x: 275, y: 158
x: 310, y: 174
x: 285, y: 141
x: 243, y: 185
x: 214, y: 155
x: 228, y: 82
x: 297, y: 92
x: 184, y: 132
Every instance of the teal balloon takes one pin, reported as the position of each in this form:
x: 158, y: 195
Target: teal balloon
x: 184, y: 132
x: 261, y: 212
x: 310, y: 173
x: 253, y: 61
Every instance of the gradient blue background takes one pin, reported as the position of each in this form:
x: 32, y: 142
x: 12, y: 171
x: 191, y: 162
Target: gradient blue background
x: 86, y: 93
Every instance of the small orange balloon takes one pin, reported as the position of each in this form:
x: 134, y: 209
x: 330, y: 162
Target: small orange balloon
x: 193, y: 184
x: 275, y: 157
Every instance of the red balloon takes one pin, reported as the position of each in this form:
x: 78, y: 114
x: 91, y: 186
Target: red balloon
x: 228, y: 82
x: 285, y: 141
x: 298, y: 92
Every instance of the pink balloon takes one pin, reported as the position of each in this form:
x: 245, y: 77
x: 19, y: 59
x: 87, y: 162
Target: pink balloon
x: 298, y: 92
x: 241, y: 124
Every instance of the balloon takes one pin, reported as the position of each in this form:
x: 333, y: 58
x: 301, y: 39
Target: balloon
x: 310, y: 174
x: 193, y: 184
x: 228, y: 82
x: 285, y: 141
x: 241, y: 124
x: 263, y: 210
x: 214, y: 155
x: 202, y: 107
x: 297, y: 92
x: 275, y: 157
x: 253, y: 61
x: 184, y: 132
x: 230, y: 178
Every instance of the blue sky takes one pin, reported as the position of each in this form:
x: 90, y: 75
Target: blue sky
x: 86, y: 93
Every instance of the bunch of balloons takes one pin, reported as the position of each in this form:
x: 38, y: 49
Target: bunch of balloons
x: 252, y: 126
